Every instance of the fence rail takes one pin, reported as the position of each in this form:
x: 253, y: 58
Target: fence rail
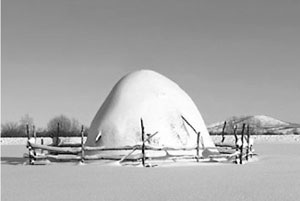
x: 230, y: 152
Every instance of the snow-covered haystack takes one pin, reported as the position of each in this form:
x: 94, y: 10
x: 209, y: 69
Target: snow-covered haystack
x: 159, y: 102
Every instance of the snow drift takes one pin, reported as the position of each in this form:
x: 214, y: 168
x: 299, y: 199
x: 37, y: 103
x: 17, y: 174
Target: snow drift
x: 159, y: 102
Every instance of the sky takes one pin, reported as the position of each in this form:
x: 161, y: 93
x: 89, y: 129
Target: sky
x: 233, y: 57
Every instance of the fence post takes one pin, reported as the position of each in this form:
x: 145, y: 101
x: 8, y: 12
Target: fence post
x: 236, y: 140
x: 29, y: 147
x: 34, y: 133
x: 198, y: 144
x: 57, y: 134
x: 143, y: 145
x: 42, y: 143
x: 242, y: 146
x: 248, y: 141
x: 223, y: 131
x: 27, y: 132
x: 82, y: 146
x: 235, y: 135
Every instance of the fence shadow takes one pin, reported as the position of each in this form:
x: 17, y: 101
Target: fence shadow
x: 13, y: 160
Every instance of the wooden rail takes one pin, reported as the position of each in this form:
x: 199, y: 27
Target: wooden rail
x: 226, y: 151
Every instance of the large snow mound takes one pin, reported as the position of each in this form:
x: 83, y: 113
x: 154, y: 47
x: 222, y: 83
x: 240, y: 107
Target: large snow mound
x: 159, y: 102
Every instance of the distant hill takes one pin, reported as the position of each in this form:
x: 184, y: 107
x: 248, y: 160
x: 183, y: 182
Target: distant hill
x: 259, y: 124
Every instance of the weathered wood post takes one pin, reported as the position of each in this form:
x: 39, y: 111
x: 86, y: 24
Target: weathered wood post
x: 223, y: 131
x: 236, y: 140
x: 234, y: 133
x: 242, y: 145
x: 82, y: 145
x: 188, y: 123
x: 57, y: 134
x: 34, y: 133
x: 248, y: 142
x: 42, y: 143
x: 27, y: 132
x: 198, y: 136
x: 28, y: 145
x: 198, y: 145
x: 143, y: 143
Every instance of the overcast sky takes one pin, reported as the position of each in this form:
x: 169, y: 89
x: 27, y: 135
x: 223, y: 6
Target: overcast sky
x: 233, y: 57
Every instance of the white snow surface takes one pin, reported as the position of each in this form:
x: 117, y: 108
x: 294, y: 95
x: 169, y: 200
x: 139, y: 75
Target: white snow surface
x: 159, y: 102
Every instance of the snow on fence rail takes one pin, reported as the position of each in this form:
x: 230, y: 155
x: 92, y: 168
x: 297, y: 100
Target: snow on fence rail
x: 222, y: 152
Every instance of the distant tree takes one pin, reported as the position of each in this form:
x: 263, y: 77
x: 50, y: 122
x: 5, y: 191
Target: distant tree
x: 9, y: 126
x: 12, y: 129
x: 75, y: 126
x: 67, y: 126
x: 42, y: 132
x: 64, y: 124
x: 26, y: 120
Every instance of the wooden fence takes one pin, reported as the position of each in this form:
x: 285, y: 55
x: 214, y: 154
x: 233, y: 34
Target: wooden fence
x: 61, y: 152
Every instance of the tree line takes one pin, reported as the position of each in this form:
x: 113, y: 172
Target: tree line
x: 67, y: 127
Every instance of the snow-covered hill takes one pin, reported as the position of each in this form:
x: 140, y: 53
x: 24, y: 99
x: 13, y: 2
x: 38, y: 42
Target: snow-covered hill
x: 259, y: 124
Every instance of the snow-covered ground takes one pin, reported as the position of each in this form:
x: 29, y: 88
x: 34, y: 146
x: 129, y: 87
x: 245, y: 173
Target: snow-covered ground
x: 47, y: 140
x: 257, y: 139
x: 275, y: 176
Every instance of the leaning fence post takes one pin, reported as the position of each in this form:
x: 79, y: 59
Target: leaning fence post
x: 223, y: 131
x: 143, y: 145
x: 242, y: 146
x: 198, y: 144
x: 82, y: 146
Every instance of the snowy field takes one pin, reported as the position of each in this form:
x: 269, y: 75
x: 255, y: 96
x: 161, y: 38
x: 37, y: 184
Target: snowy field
x: 275, y: 176
x: 257, y: 139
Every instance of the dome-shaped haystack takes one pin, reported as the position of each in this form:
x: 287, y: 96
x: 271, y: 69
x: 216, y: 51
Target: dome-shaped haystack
x: 159, y: 102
